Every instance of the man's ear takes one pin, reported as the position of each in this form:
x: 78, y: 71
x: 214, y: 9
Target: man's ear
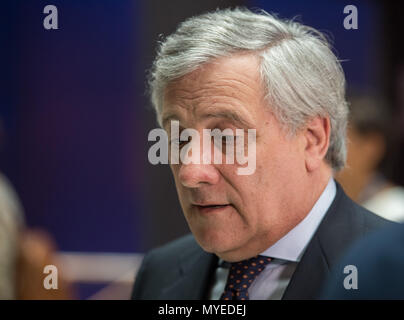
x: 317, y: 139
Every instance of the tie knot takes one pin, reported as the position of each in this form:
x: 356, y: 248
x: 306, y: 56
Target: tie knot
x: 241, y: 276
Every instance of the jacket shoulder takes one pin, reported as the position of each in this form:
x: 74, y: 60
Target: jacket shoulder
x: 345, y: 222
x: 370, y: 220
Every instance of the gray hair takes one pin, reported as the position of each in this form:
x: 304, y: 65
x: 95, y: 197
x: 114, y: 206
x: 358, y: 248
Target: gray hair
x: 302, y: 76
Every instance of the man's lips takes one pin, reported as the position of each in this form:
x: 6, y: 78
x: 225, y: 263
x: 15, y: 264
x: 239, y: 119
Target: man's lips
x: 211, y: 208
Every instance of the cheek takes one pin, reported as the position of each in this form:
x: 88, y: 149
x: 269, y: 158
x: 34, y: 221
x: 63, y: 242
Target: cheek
x: 284, y: 158
x: 279, y: 168
x: 246, y: 194
x: 272, y: 162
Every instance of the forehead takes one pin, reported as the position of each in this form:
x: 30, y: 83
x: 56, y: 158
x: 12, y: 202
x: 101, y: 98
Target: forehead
x: 229, y: 84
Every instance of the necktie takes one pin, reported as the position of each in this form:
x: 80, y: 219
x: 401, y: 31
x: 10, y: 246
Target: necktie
x: 241, y: 276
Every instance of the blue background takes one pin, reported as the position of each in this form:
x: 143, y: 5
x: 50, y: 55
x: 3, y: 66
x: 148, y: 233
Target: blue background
x: 76, y: 118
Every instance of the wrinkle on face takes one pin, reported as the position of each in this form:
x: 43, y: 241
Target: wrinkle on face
x: 210, y: 89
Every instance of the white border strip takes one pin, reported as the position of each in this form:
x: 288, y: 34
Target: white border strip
x: 99, y: 267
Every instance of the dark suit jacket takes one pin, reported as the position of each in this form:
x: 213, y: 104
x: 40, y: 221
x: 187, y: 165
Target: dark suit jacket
x: 379, y: 261
x: 182, y: 270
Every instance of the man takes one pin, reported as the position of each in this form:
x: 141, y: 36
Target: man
x: 274, y: 233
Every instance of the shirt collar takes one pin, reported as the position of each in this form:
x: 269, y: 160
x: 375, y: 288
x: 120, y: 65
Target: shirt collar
x: 291, y: 247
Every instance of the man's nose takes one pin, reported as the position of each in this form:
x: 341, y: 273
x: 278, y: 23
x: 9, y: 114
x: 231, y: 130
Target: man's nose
x: 200, y: 170
x: 195, y: 175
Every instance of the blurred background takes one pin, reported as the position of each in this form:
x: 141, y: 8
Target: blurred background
x: 76, y: 187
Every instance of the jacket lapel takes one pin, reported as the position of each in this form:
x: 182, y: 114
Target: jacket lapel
x: 339, y: 228
x: 307, y: 280
x: 194, y: 272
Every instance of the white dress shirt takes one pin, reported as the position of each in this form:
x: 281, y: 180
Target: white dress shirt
x: 285, y: 253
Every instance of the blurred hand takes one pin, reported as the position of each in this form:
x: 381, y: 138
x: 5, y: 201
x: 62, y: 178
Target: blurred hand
x: 37, y: 250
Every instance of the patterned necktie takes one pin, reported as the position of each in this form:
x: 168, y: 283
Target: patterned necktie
x: 241, y: 276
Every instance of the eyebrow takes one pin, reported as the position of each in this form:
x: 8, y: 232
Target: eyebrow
x: 229, y: 115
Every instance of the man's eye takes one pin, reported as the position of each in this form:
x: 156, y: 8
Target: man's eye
x: 225, y: 139
x: 229, y: 138
x: 178, y: 142
x: 225, y: 142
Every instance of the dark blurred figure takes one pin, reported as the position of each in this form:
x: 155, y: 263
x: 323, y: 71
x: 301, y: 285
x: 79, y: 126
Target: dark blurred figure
x: 379, y: 260
x: 370, y: 137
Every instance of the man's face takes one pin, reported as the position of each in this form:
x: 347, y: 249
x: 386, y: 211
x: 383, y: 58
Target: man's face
x: 236, y: 216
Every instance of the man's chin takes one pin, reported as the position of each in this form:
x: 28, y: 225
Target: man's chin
x: 213, y: 244
x: 223, y: 248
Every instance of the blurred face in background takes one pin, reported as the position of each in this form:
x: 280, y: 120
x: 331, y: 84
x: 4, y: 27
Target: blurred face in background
x: 365, y: 152
x: 237, y: 216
